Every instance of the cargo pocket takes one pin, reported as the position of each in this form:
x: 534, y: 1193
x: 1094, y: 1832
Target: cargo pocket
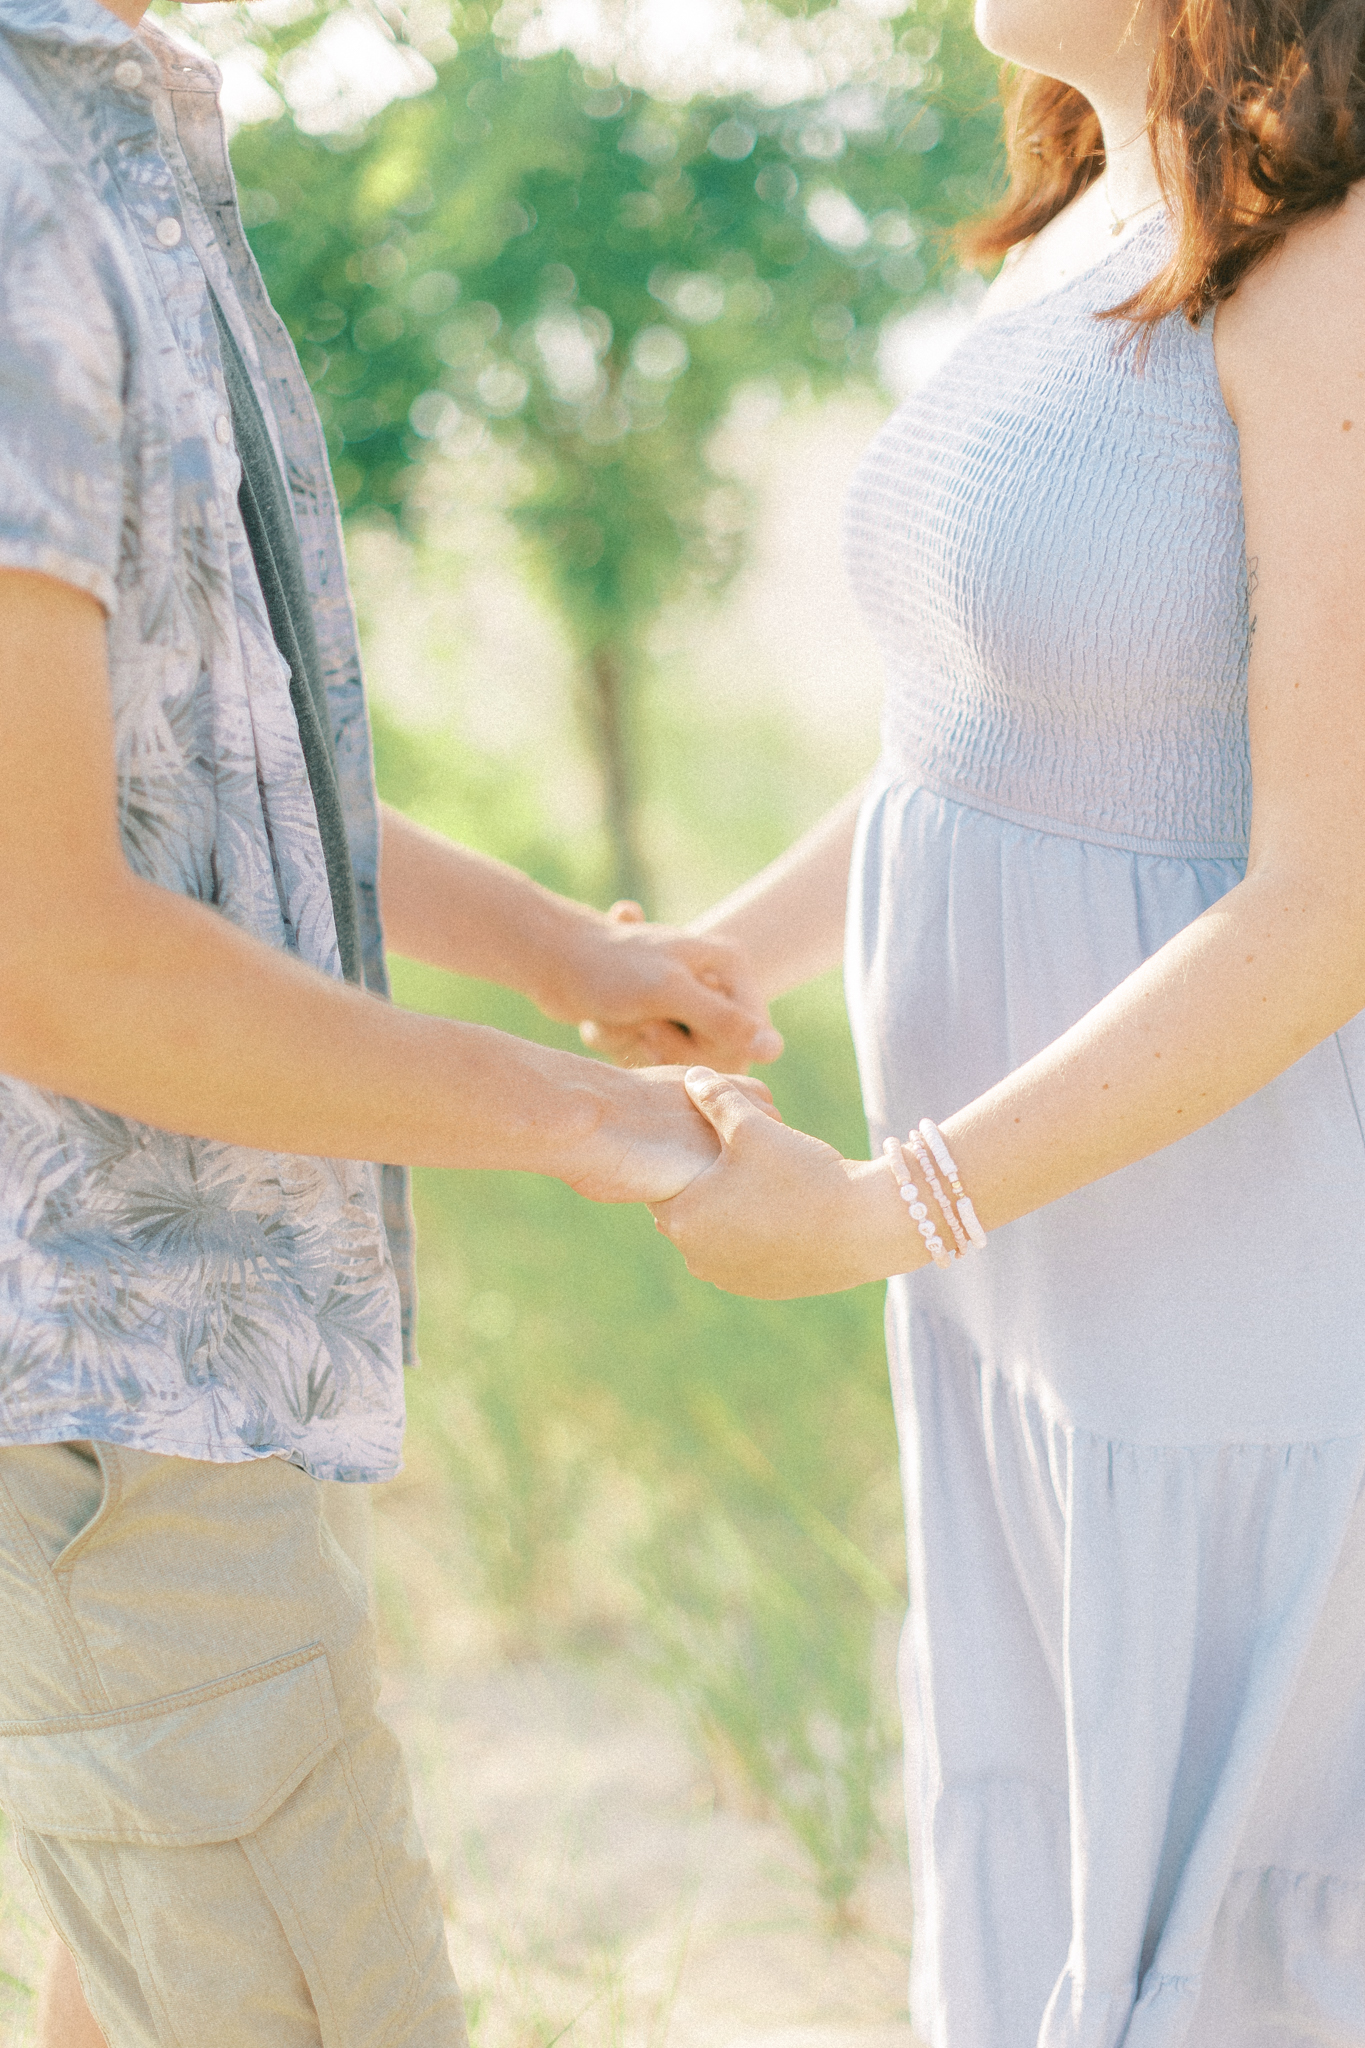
x: 203, y: 1766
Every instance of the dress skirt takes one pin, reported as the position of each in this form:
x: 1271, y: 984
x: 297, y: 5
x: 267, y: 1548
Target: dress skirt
x: 1133, y: 1441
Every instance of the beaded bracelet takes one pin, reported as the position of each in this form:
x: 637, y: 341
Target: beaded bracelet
x: 933, y: 1243
x: 933, y: 1138
x: 935, y: 1186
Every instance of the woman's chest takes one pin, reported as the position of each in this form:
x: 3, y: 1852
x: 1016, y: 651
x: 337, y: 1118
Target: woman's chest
x: 1051, y: 517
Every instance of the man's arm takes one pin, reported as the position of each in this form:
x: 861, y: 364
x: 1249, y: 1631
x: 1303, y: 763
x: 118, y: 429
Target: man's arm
x: 143, y: 1002
x: 460, y: 910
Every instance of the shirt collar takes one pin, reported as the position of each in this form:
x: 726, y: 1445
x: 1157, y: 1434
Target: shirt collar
x: 80, y: 24
x: 86, y: 25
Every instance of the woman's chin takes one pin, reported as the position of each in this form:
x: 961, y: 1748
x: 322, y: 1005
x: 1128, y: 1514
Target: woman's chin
x: 1013, y: 31
x: 1059, y: 38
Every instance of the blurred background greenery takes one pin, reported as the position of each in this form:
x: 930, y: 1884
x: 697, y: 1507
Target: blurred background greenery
x: 571, y: 247
x: 591, y: 296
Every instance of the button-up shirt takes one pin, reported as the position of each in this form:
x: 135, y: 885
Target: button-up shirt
x: 167, y: 1293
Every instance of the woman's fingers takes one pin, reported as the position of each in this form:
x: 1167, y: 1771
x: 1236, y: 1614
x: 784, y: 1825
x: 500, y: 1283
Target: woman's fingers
x: 716, y: 964
x: 650, y: 1044
x: 726, y: 1105
x: 774, y: 1214
x: 652, y: 995
x: 725, y: 1099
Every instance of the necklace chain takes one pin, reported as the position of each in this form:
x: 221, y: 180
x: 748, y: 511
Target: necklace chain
x: 1118, y: 225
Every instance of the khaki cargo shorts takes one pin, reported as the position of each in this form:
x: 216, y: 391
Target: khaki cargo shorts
x: 215, y: 1817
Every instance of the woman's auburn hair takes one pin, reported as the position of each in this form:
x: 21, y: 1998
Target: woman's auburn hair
x: 1256, y: 113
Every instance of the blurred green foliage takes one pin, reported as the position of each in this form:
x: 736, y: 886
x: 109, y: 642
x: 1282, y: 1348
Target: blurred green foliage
x: 592, y: 274
x: 636, y: 1461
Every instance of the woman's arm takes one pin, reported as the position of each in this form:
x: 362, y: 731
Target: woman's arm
x: 789, y: 918
x: 1270, y: 970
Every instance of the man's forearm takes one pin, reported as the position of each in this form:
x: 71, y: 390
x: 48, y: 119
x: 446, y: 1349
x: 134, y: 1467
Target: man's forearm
x: 155, y: 1007
x: 145, y: 1002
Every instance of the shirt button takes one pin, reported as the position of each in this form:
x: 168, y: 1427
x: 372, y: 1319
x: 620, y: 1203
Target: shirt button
x: 222, y: 427
x: 168, y: 231
x: 128, y: 75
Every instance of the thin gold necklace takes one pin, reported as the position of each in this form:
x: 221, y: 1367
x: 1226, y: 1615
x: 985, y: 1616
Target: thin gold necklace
x: 1119, y: 225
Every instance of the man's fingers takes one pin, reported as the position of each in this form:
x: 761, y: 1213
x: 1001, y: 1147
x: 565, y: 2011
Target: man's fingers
x: 767, y: 1045
x: 727, y: 1037
x: 651, y: 1044
x: 709, y: 1007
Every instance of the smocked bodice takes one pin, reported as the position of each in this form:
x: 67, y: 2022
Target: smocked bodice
x: 1048, y: 543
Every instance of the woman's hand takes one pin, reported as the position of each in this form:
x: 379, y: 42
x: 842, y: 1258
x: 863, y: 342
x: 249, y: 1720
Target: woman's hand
x: 776, y: 931
x: 649, y: 995
x: 780, y: 1213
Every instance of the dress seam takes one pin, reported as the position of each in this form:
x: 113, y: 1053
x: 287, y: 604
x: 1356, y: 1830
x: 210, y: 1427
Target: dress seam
x: 1299, y: 1876
x: 1055, y: 828
x: 1077, y: 1431
x: 1222, y: 1443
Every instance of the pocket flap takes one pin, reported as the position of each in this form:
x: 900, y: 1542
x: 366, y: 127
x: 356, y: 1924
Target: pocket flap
x: 200, y: 1766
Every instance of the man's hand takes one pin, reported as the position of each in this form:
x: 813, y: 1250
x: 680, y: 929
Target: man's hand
x: 646, y: 1141
x: 652, y: 995
x: 778, y: 1213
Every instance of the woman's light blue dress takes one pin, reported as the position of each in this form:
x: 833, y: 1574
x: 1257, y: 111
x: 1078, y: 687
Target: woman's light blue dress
x: 1133, y: 1431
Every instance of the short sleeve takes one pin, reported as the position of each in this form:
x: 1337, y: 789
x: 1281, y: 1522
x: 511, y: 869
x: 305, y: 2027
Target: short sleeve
x: 61, y: 384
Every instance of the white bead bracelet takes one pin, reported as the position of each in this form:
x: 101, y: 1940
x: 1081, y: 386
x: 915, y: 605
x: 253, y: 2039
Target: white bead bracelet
x: 909, y: 1193
x: 933, y: 1138
x: 935, y: 1187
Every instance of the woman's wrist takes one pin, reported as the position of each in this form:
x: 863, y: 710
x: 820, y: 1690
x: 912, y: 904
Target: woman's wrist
x: 880, y: 1230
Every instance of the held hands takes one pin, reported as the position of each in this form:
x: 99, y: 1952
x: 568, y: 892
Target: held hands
x: 653, y: 995
x: 777, y: 1213
x: 643, y: 1140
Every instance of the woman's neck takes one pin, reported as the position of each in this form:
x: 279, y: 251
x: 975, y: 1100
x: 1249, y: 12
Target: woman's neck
x: 1131, y: 185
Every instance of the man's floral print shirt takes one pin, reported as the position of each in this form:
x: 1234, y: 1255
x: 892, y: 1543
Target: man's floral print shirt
x: 169, y: 1293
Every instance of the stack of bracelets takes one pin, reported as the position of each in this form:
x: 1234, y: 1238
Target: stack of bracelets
x: 957, y: 1213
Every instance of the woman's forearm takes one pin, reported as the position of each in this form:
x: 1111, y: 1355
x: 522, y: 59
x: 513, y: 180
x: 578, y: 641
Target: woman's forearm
x: 789, y: 918
x: 1233, y: 1000
x: 451, y: 907
x: 1265, y: 974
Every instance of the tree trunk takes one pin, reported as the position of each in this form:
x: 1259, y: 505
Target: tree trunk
x: 609, y: 713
